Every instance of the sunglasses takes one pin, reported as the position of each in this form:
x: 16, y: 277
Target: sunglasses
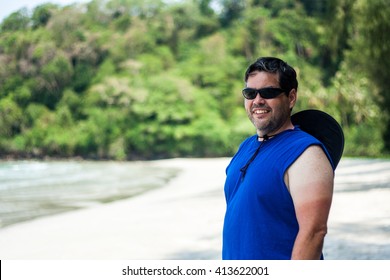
x: 266, y: 93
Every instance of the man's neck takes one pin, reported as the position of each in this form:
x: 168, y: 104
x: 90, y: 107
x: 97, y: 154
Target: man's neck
x: 264, y: 137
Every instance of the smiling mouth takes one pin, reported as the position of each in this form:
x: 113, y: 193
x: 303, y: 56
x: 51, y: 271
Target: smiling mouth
x: 260, y: 111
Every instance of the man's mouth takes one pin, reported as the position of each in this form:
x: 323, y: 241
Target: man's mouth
x: 258, y: 111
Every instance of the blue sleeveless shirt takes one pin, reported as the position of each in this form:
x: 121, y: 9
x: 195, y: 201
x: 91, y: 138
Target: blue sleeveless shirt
x: 260, y: 220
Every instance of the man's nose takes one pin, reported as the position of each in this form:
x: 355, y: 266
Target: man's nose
x: 258, y: 99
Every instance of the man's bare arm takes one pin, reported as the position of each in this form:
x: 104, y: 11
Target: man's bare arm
x: 310, y: 181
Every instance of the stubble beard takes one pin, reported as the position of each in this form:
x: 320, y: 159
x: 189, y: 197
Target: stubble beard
x: 272, y: 125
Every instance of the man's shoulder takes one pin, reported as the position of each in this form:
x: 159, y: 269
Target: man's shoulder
x: 314, y: 147
x: 298, y: 137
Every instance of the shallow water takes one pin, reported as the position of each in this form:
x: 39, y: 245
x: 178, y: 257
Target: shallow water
x: 32, y: 189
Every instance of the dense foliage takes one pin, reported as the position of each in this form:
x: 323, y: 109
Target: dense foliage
x: 136, y: 79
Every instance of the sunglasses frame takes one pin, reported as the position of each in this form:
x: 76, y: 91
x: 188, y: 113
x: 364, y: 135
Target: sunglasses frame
x: 266, y: 93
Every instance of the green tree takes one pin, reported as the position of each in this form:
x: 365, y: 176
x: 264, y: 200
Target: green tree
x: 374, y: 25
x: 10, y: 118
x: 231, y: 11
x: 52, y: 80
x: 18, y: 20
x: 337, y: 28
x: 133, y: 79
x: 42, y: 14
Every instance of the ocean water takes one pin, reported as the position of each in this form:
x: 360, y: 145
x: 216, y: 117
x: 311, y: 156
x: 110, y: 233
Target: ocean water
x: 32, y: 189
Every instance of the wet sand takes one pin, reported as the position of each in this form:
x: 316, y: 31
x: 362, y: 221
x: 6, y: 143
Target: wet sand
x: 183, y: 220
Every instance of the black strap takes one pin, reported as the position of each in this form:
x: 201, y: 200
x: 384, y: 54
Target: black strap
x: 245, y: 167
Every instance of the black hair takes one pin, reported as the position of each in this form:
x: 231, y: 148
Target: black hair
x: 287, y: 74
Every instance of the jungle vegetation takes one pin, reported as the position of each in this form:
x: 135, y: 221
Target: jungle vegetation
x: 148, y: 79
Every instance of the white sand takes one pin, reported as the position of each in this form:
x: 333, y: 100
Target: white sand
x: 359, y: 222
x: 184, y: 219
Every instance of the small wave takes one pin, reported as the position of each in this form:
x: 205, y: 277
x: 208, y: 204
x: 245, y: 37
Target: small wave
x: 29, y: 190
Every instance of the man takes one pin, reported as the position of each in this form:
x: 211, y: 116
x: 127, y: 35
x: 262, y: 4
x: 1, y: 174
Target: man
x: 279, y: 184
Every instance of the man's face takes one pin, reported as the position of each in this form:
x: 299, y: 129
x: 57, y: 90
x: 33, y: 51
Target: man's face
x: 269, y: 116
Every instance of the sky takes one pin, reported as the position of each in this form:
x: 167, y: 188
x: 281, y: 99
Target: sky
x: 7, y: 7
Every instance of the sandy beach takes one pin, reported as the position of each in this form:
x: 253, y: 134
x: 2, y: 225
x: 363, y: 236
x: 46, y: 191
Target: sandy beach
x: 183, y: 220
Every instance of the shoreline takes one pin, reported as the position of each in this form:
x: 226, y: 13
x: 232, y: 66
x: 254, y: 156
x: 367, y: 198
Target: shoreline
x: 183, y: 220
x: 35, y: 189
x: 171, y: 222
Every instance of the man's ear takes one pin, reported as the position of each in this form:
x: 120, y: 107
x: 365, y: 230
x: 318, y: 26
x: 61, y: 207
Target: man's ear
x: 292, y: 97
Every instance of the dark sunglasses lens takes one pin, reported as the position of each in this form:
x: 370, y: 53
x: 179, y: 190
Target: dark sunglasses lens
x: 268, y: 93
x: 249, y: 93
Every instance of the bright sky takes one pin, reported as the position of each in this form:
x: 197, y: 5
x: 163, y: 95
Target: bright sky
x: 7, y: 7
